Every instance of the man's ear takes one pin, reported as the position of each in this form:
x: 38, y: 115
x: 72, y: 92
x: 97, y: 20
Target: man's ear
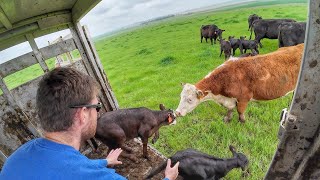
x: 80, y: 117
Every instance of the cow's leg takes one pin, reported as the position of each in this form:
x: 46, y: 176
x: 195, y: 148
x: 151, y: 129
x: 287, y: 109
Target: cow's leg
x: 144, y: 145
x: 233, y: 51
x: 245, y: 50
x: 155, y: 137
x: 201, y: 39
x: 206, y: 40
x: 241, y: 107
x: 228, y: 117
x: 220, y: 52
x: 258, y: 39
x: 211, y: 41
x: 215, y: 39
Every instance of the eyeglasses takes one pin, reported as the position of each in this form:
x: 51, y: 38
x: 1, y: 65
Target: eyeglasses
x: 97, y: 106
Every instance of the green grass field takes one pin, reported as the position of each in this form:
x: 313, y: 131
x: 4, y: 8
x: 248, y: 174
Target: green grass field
x: 146, y: 66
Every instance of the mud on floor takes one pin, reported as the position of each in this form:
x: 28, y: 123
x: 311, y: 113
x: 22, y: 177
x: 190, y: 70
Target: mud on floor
x: 130, y: 169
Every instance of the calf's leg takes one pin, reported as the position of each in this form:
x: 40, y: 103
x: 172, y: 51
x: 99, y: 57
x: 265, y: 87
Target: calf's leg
x: 155, y: 137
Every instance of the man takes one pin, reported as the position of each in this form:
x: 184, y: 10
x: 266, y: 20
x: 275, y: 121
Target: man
x: 68, y: 107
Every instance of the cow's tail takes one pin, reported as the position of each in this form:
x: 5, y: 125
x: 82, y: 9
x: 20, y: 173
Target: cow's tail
x: 156, y: 170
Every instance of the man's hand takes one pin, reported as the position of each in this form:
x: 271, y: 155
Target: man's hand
x: 112, y: 157
x: 171, y: 173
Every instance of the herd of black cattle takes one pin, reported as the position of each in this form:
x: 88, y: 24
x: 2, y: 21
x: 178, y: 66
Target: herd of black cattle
x: 288, y: 32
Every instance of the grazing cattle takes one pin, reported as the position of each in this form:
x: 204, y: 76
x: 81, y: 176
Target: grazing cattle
x: 248, y: 44
x: 236, y: 82
x: 116, y: 127
x: 225, y: 46
x: 195, y: 165
x: 235, y: 44
x: 291, y: 33
x: 211, y: 32
x: 267, y: 28
x: 251, y: 19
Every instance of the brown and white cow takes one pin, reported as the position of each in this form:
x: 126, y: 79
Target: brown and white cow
x: 238, y: 81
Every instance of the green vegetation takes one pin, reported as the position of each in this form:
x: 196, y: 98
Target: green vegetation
x: 145, y: 68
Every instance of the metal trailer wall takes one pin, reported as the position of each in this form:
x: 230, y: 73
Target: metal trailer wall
x: 298, y: 152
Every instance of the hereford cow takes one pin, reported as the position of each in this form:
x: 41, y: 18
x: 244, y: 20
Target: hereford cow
x: 267, y: 28
x: 252, y: 18
x: 291, y: 33
x: 211, y: 32
x: 238, y: 81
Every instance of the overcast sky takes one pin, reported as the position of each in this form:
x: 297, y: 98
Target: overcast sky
x: 110, y: 15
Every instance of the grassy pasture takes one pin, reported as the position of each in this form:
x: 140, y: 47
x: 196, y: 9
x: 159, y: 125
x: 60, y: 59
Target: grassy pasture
x: 145, y: 68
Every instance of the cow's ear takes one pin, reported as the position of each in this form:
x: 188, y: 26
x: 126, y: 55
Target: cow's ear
x: 199, y: 94
x: 162, y: 108
x: 182, y: 83
x: 223, y: 30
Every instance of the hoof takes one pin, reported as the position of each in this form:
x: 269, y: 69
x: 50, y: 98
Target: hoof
x: 226, y: 119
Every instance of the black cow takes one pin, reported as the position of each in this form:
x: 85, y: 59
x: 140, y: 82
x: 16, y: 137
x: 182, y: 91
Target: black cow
x: 252, y: 18
x: 211, y: 32
x: 267, y: 28
x: 225, y: 46
x: 235, y: 44
x: 291, y: 33
x: 195, y: 165
x: 248, y: 44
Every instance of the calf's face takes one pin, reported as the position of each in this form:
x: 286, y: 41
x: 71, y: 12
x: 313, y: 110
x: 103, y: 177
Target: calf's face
x: 189, y: 99
x: 171, y: 120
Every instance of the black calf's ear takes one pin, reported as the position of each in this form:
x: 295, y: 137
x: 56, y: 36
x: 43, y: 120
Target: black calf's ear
x: 162, y: 107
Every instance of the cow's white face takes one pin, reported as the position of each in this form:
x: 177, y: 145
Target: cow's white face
x: 189, y: 99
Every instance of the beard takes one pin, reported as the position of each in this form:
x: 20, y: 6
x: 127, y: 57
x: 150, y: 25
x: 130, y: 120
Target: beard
x: 90, y: 131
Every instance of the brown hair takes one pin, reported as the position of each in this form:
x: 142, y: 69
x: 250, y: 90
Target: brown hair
x: 59, y: 89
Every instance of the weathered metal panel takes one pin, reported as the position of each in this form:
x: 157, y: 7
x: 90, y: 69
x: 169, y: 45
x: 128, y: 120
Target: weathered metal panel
x: 111, y: 97
x: 91, y: 64
x: 37, y: 53
x: 58, y: 48
x: 17, y: 64
x: 29, y: 59
x: 13, y: 133
x: 297, y: 156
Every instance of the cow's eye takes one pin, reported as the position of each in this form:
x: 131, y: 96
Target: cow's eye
x: 189, y: 100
